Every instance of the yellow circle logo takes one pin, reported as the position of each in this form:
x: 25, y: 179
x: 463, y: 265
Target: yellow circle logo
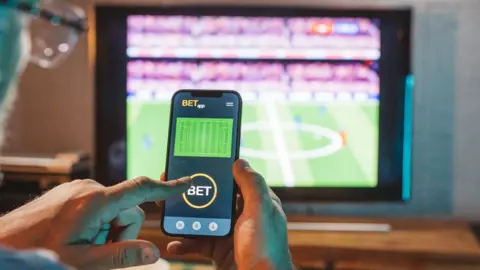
x: 214, y: 192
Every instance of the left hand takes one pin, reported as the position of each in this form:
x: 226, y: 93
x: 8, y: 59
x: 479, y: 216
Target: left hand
x: 88, y: 225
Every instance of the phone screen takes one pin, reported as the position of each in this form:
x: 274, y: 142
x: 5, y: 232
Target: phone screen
x: 204, y: 136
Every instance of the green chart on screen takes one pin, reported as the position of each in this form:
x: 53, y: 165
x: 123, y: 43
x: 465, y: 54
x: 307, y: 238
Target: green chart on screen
x: 203, y: 137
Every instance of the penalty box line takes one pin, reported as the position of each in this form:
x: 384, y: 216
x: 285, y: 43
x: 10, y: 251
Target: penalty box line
x: 280, y: 144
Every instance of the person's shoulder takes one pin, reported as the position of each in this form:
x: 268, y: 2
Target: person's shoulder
x: 40, y: 259
x: 159, y: 265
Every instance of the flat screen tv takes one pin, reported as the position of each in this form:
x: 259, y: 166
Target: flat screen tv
x: 326, y: 96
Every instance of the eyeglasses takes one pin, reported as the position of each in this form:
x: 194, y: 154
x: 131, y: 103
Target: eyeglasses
x: 55, y: 27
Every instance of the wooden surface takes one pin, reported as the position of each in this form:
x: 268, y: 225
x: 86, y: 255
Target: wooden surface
x: 412, y: 244
x: 422, y: 239
x: 59, y: 164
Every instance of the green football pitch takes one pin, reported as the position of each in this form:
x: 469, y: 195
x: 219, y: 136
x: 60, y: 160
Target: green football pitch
x: 295, y: 144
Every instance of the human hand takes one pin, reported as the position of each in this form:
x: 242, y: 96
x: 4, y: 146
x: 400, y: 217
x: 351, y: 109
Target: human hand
x: 88, y: 225
x: 260, y: 239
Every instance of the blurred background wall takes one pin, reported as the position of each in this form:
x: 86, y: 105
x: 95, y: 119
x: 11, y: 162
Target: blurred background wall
x: 55, y: 108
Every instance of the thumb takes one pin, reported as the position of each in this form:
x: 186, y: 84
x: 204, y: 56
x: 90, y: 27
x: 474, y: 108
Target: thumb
x: 185, y: 246
x: 117, y: 255
x: 253, y: 187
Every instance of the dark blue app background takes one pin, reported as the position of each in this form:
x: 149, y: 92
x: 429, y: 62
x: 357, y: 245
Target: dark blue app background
x: 193, y: 206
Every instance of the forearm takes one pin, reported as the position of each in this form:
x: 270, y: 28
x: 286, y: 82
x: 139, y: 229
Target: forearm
x: 268, y: 266
x: 284, y: 262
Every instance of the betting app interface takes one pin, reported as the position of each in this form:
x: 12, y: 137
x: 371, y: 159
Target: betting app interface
x: 203, y: 144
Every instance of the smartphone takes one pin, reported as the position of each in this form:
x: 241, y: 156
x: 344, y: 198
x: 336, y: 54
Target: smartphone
x: 203, y: 143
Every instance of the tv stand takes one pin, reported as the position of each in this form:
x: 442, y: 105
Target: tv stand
x: 362, y: 243
x: 339, y: 227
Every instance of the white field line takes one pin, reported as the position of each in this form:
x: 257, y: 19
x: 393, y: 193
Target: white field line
x: 280, y: 144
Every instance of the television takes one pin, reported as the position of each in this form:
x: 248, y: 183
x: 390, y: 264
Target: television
x: 326, y: 94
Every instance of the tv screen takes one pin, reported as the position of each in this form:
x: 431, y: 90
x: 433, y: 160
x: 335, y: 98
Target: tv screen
x: 313, y: 88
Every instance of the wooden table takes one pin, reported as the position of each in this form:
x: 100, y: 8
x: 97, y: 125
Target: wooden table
x: 411, y: 244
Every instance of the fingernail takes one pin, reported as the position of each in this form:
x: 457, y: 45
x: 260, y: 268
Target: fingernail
x: 177, y: 249
x: 243, y: 163
x: 185, y: 180
x: 150, y: 255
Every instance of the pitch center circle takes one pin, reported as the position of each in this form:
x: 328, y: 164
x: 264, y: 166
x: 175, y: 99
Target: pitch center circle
x: 336, y: 141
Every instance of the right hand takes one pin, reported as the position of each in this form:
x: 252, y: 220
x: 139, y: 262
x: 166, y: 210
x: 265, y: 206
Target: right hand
x: 261, y: 236
x: 260, y: 239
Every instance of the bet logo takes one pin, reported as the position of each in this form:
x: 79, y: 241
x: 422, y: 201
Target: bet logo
x: 199, y: 190
x: 203, y: 193
x: 189, y: 103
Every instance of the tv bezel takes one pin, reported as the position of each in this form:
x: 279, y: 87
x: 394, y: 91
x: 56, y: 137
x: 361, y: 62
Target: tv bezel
x: 110, y: 95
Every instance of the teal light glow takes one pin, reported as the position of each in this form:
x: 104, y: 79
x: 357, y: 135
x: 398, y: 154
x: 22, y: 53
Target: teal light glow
x: 407, y: 139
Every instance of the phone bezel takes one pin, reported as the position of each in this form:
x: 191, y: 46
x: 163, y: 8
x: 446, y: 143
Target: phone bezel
x: 235, y: 191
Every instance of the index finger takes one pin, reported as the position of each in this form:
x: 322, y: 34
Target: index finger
x: 143, y: 189
x: 162, y: 179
